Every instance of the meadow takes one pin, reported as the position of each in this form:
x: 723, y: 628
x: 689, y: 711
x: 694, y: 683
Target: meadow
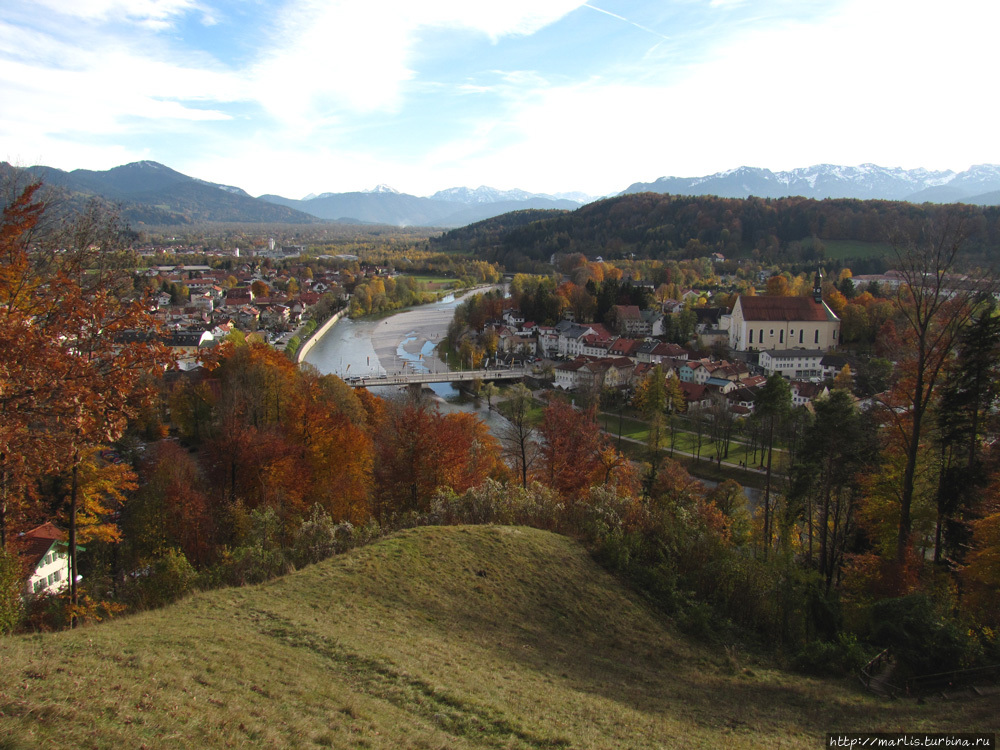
x: 457, y: 637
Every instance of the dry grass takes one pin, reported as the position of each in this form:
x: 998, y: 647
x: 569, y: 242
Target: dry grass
x: 453, y: 637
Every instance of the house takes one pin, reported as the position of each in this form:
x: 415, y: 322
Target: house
x: 571, y: 336
x: 793, y: 363
x: 594, y: 373
x: 46, y: 554
x: 628, y: 320
x: 742, y: 397
x: 758, y: 323
x: 548, y: 340
x: 688, y: 371
x: 805, y: 393
x: 623, y: 347
x: 653, y: 323
x: 697, y: 396
x: 833, y: 364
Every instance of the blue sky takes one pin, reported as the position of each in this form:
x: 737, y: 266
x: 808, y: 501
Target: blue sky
x: 308, y: 96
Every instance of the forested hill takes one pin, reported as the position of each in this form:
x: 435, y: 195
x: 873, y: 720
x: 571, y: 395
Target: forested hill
x: 651, y: 225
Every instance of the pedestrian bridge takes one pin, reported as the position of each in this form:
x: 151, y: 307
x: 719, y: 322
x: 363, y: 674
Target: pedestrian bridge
x: 418, y: 378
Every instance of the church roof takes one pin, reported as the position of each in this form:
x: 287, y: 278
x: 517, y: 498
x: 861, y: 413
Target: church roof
x: 785, y: 309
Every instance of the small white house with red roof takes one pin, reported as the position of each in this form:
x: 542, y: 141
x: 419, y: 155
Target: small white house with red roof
x: 46, y: 554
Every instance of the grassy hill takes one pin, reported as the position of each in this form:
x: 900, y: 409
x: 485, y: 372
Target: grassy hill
x: 458, y: 637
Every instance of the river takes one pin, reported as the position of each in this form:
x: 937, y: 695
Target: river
x: 401, y: 342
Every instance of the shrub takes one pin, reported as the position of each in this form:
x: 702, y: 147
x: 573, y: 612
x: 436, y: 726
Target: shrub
x: 844, y: 655
x: 168, y: 578
x: 923, y: 638
x: 319, y: 538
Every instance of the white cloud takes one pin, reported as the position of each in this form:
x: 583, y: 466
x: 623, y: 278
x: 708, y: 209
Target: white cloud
x: 343, y: 56
x: 883, y: 82
x: 155, y: 14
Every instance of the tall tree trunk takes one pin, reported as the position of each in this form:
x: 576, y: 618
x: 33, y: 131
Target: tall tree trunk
x: 73, y: 498
x: 912, y: 454
x: 767, y: 490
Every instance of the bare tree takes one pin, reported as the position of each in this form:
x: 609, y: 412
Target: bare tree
x: 518, y: 435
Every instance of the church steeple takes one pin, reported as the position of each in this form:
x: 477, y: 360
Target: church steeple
x: 818, y: 286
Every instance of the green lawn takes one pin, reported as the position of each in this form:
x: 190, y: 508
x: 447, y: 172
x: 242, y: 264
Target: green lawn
x: 686, y: 440
x: 435, y: 280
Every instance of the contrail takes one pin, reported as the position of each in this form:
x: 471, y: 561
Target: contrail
x: 622, y: 18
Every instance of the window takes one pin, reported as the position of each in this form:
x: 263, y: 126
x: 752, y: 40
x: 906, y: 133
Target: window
x: 834, y: 334
x: 751, y: 335
x: 800, y: 336
x: 38, y: 585
x: 781, y: 337
x: 817, y: 335
x: 772, y: 331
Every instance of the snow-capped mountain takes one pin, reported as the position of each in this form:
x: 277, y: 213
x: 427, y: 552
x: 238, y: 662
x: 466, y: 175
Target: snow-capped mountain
x: 482, y: 194
x: 382, y: 190
x: 866, y: 181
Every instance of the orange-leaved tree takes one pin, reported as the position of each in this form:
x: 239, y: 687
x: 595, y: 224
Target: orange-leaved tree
x: 78, y: 347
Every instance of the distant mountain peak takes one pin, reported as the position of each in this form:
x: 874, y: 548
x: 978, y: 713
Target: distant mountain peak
x: 865, y: 181
x: 382, y: 189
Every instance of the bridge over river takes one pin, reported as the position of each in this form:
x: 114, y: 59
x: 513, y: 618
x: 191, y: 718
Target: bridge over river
x: 419, y: 378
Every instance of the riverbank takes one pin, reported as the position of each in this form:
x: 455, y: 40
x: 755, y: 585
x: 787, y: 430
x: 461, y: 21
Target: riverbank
x: 310, y: 342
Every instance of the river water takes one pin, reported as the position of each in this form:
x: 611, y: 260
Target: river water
x: 403, y: 342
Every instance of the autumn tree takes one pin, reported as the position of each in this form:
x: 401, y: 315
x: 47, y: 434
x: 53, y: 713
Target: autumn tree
x: 571, y: 449
x: 933, y: 304
x: 79, y: 347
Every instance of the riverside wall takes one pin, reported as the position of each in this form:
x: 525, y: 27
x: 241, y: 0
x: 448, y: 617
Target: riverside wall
x: 306, y: 345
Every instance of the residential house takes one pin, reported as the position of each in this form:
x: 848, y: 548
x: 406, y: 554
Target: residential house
x: 804, y: 393
x: 697, y: 396
x: 628, y: 320
x: 623, y: 347
x: 832, y: 364
x: 591, y: 373
x: 46, y: 554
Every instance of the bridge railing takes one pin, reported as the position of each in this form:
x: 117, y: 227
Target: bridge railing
x: 362, y: 381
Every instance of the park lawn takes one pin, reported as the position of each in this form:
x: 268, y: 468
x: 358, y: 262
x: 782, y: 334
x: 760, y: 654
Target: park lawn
x: 686, y: 441
x: 438, y: 281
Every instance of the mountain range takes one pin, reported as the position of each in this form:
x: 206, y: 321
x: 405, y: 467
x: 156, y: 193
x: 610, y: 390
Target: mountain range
x: 454, y: 207
x: 979, y: 184
x: 153, y: 194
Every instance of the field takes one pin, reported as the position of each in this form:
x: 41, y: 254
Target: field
x: 434, y: 283
x: 844, y: 249
x: 457, y: 637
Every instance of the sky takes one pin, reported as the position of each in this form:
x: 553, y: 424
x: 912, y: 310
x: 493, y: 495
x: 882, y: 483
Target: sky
x: 293, y: 97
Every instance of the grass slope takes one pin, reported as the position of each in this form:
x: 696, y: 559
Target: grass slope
x: 457, y: 637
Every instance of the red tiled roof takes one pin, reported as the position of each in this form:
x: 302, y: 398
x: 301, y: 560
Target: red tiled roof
x: 38, y: 541
x: 782, y: 309
x: 693, y: 391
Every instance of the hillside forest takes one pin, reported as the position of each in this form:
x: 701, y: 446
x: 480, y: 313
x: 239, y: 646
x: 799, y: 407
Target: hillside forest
x: 885, y: 533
